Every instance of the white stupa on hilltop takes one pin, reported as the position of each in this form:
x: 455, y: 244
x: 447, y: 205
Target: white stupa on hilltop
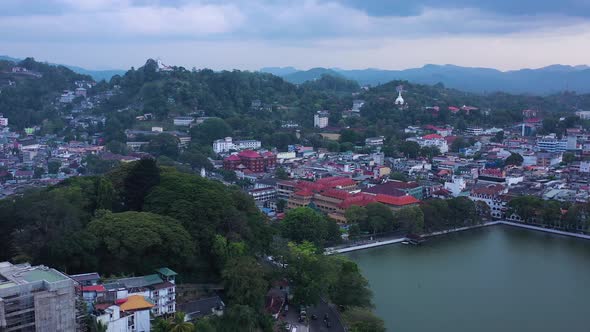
x: 163, y: 67
x: 400, y: 100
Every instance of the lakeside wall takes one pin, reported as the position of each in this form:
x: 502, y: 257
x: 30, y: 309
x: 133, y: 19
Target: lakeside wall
x: 379, y: 243
x: 546, y: 230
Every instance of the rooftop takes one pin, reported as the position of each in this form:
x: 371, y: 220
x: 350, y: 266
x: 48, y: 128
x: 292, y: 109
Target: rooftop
x: 166, y: 272
x: 21, y: 274
x: 136, y: 302
x: 85, y: 276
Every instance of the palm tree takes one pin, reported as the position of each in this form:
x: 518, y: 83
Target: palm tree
x: 161, y: 325
x: 98, y: 326
x: 179, y: 325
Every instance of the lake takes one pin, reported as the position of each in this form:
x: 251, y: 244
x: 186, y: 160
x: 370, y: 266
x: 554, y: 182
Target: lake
x: 496, y: 278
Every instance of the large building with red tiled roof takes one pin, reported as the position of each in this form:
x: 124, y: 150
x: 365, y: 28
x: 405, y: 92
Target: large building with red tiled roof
x: 334, y: 195
x: 250, y: 160
x: 397, y: 188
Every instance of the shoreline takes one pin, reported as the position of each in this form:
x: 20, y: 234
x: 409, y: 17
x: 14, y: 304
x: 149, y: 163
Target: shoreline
x: 377, y: 243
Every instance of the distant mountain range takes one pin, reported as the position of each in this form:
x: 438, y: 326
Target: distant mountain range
x: 96, y: 74
x: 542, y: 81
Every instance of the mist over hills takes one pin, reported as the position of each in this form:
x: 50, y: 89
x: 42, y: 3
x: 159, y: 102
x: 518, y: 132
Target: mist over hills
x: 96, y: 74
x: 542, y: 81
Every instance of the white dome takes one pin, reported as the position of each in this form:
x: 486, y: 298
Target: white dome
x: 399, y: 100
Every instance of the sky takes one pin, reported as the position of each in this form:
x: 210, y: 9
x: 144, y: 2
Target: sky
x: 250, y: 34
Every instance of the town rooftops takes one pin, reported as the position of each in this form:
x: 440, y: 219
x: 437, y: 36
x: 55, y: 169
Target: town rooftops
x: 249, y: 154
x: 397, y: 201
x: 94, y: 288
x: 165, y: 284
x: 385, y: 188
x: 144, y: 281
x: 335, y: 193
x: 494, y: 189
x: 233, y: 157
x: 432, y: 136
x: 85, y: 276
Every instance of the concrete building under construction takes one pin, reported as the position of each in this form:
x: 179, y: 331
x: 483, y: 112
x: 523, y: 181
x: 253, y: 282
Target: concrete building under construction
x: 36, y: 298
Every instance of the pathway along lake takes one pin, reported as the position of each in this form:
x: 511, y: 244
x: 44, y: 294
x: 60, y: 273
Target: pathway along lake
x: 491, y: 279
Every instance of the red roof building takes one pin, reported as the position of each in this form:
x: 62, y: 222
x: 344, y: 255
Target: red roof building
x: 432, y: 136
x: 250, y: 160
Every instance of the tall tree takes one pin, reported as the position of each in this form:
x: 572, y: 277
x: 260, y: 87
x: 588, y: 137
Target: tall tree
x: 304, y: 224
x: 143, y: 175
x: 164, y: 145
x: 244, y: 282
x: 351, y: 288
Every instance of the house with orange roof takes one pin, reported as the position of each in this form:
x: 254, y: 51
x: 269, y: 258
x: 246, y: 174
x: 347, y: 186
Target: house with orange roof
x: 129, y: 314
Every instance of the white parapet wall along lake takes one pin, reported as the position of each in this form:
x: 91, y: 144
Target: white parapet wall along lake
x: 384, y: 242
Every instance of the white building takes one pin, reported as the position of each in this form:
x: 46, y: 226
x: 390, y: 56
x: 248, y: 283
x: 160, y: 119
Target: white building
x: 584, y: 115
x: 456, y: 186
x: 67, y: 97
x: 357, y: 104
x: 227, y: 144
x: 133, y: 315
x: 249, y: 144
x: 3, y: 121
x: 374, y: 141
x: 552, y: 144
x: 491, y: 196
x: 183, y: 120
x: 286, y: 155
x: 585, y: 167
x: 263, y: 195
x: 474, y: 131
x: 432, y: 140
x: 223, y: 145
x: 320, y: 119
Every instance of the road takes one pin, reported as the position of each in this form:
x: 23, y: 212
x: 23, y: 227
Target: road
x: 318, y: 325
x: 292, y: 318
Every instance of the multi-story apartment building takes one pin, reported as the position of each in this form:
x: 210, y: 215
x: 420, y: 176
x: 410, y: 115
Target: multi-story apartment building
x: 36, y: 298
x: 552, y: 144
x: 227, y: 144
x: 263, y: 195
x: 374, y: 141
x: 432, y: 140
x: 320, y: 119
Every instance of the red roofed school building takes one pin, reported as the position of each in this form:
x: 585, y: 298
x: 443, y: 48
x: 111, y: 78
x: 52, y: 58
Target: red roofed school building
x: 250, y: 160
x: 336, y: 194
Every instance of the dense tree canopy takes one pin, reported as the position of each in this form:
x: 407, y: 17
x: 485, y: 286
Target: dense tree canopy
x: 134, y: 242
x: 305, y: 224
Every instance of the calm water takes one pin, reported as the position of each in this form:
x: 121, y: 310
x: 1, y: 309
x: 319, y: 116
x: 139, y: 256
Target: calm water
x: 492, y: 279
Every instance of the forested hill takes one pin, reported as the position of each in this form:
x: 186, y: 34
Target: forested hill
x: 253, y: 104
x: 32, y: 97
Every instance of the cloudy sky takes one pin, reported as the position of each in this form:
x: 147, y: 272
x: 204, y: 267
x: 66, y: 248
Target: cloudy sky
x: 249, y: 34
